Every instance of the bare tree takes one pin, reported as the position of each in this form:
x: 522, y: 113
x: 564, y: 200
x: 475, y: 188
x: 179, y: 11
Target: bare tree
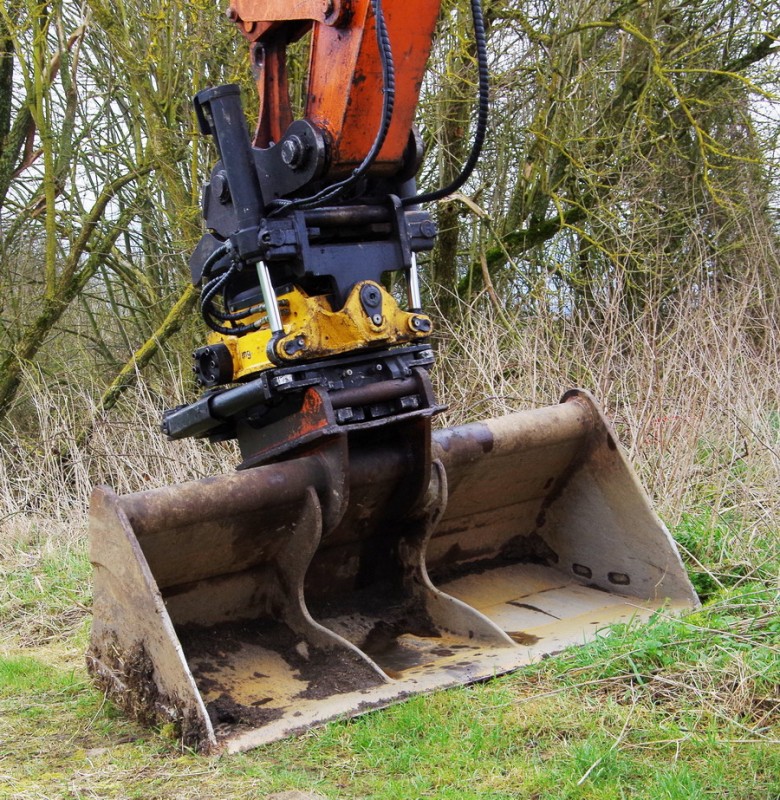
x: 623, y: 141
x: 99, y: 174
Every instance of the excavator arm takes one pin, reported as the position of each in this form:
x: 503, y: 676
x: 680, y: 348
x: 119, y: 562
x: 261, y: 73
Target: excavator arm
x: 345, y: 78
x: 357, y: 557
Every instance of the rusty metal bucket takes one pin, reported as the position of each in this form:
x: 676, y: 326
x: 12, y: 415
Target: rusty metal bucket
x: 250, y: 607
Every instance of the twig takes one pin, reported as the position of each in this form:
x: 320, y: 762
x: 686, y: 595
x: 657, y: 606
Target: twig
x: 614, y: 745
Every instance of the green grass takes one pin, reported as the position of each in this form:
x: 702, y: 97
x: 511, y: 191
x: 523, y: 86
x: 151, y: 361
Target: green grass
x: 45, y: 591
x: 723, y: 553
x: 677, y: 709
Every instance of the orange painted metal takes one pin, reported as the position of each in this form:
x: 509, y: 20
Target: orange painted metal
x: 252, y: 13
x: 344, y: 96
x: 270, y: 66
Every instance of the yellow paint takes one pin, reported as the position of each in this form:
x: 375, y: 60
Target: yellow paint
x: 312, y: 330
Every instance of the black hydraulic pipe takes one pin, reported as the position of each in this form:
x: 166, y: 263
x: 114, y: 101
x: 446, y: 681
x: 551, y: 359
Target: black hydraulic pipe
x: 220, y: 115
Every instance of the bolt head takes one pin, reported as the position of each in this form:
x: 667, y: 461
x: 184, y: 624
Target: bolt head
x: 220, y: 188
x: 292, y: 151
x: 428, y: 229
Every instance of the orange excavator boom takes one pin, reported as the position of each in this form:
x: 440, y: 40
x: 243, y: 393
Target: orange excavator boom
x: 345, y: 80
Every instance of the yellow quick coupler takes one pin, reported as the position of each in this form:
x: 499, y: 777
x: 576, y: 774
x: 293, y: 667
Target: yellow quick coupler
x: 312, y: 330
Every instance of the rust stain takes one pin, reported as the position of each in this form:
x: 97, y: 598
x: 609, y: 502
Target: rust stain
x: 521, y: 637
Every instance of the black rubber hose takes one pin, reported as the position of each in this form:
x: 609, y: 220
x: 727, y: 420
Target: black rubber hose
x: 215, y: 257
x: 210, y: 313
x: 480, y: 39
x: 388, y: 103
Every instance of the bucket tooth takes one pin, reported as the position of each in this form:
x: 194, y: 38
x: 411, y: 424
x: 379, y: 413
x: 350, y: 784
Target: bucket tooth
x: 252, y: 606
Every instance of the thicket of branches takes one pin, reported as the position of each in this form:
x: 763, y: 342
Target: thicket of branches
x: 100, y: 172
x: 628, y: 177
x: 629, y: 145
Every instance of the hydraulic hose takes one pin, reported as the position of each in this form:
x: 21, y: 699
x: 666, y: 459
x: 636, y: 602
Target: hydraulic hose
x: 480, y: 38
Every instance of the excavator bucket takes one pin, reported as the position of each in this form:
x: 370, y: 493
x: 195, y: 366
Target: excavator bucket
x: 249, y: 607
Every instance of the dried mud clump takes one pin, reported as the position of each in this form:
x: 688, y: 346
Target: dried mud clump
x: 126, y: 677
x: 227, y: 714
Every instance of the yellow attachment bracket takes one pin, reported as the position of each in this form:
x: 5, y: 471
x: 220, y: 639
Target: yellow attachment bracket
x: 312, y: 330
